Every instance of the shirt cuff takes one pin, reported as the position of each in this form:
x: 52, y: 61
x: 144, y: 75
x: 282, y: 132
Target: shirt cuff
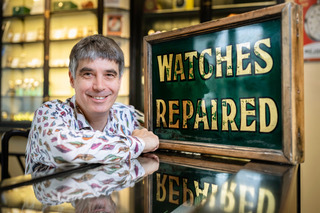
x: 138, y: 147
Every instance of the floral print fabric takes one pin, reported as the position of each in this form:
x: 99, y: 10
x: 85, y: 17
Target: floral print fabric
x: 61, y: 135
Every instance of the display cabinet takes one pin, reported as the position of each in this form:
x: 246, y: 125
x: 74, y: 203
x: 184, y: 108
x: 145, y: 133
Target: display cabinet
x: 22, y: 68
x: 37, y: 36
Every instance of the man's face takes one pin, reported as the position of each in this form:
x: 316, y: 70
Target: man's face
x: 96, y: 85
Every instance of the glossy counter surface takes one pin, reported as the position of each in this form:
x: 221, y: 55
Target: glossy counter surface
x: 164, y: 182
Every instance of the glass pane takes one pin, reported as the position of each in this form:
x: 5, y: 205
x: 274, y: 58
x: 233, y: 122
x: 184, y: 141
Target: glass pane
x: 76, y: 25
x: 22, y: 91
x: 59, y: 84
x: 30, y: 29
x: 23, y: 56
x: 22, y: 7
x: 59, y: 53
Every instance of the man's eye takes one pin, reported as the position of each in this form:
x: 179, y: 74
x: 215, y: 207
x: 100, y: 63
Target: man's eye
x: 110, y: 75
x: 87, y: 74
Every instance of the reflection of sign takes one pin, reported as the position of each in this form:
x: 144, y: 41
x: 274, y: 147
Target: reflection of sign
x: 222, y: 86
x: 311, y: 17
x: 253, y: 188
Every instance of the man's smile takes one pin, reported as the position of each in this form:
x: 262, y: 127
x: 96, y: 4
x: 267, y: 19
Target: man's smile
x: 99, y: 97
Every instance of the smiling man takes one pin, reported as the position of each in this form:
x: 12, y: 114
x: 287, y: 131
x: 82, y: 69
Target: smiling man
x: 89, y: 127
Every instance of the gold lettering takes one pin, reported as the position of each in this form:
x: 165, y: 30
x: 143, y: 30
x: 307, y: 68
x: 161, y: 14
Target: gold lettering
x: 266, y: 194
x: 161, y: 185
x: 264, y: 56
x: 202, y: 72
x: 244, y: 206
x: 240, y: 57
x: 228, y: 118
x: 245, y: 113
x: 227, y: 196
x: 227, y: 58
x: 212, y: 198
x: 201, y: 108
x: 160, y: 115
x: 180, y: 71
x: 190, y: 56
x: 186, y: 192
x: 186, y: 105
x: 165, y: 66
x: 172, y: 192
x: 214, y: 119
x: 204, y: 191
x: 273, y: 115
x: 171, y: 113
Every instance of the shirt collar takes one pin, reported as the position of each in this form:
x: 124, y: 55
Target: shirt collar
x: 82, y: 121
x: 84, y: 124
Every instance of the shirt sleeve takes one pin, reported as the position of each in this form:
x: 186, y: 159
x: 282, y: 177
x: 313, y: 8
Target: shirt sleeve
x: 139, y: 119
x: 55, y: 141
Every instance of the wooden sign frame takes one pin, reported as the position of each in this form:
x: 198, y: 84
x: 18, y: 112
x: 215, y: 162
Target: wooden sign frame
x: 292, y: 91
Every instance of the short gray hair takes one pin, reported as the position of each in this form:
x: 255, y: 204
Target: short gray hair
x: 93, y: 47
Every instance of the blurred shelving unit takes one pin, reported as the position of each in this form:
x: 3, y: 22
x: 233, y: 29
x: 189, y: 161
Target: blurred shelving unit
x: 37, y: 36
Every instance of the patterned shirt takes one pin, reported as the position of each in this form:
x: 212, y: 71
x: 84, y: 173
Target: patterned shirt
x: 93, y: 183
x: 61, y: 135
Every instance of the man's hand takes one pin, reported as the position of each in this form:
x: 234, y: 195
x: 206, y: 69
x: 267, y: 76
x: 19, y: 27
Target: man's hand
x: 150, y: 139
x: 150, y: 163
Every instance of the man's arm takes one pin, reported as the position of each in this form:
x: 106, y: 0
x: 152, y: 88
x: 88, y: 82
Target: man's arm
x: 151, y: 140
x: 54, y: 140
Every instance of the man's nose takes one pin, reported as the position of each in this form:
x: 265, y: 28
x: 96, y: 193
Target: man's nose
x: 98, y: 83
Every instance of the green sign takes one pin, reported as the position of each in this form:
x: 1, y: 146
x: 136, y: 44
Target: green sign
x: 221, y: 87
x: 231, y: 87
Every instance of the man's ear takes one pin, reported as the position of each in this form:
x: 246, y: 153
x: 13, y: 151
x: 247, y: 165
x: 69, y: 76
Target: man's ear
x: 71, y: 79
